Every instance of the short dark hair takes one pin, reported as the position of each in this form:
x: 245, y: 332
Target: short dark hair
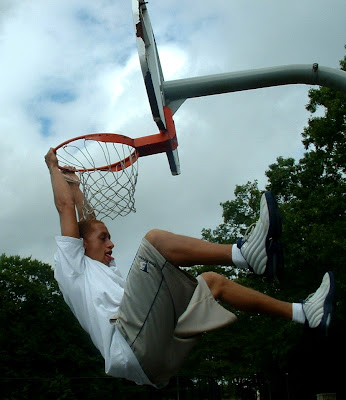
x: 86, y: 225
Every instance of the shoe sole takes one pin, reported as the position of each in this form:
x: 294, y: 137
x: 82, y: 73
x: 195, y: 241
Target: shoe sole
x: 328, y: 306
x: 274, y: 266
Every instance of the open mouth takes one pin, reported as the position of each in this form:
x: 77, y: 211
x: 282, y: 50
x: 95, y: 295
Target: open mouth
x: 108, y: 256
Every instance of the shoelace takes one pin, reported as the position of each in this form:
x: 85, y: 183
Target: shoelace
x: 303, y: 302
x: 308, y: 298
x: 248, y: 231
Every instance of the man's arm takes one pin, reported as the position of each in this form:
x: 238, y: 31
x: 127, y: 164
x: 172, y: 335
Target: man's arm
x: 84, y: 209
x: 63, y: 197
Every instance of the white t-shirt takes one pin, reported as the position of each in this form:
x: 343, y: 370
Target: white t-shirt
x: 94, y: 291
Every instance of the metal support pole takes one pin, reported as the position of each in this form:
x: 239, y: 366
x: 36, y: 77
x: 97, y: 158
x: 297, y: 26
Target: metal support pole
x: 175, y: 92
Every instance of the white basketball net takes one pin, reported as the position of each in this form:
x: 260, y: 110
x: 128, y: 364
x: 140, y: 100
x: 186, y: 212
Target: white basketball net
x: 107, y: 193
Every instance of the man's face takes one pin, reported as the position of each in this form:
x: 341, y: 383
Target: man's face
x: 98, y: 244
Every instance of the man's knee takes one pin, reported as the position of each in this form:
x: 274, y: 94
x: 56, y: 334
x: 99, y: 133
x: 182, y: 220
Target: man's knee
x: 215, y: 283
x: 154, y: 237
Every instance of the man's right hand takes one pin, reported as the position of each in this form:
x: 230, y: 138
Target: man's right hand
x: 70, y: 175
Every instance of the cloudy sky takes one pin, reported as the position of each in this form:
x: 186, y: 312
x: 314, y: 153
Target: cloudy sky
x: 70, y: 67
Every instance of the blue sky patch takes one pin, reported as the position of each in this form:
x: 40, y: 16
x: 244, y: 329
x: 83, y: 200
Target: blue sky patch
x: 46, y: 125
x: 61, y: 96
x: 86, y: 17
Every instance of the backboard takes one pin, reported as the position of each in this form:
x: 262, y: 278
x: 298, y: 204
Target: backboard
x: 152, y: 73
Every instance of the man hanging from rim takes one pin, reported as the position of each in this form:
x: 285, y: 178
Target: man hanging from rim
x: 146, y: 325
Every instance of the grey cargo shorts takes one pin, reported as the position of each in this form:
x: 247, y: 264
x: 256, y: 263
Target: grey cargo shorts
x: 163, y: 312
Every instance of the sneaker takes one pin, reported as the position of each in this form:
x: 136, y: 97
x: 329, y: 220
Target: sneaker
x: 260, y: 245
x: 318, y: 307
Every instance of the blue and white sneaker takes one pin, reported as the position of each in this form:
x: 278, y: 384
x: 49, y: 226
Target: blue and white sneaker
x: 260, y: 246
x: 318, y: 307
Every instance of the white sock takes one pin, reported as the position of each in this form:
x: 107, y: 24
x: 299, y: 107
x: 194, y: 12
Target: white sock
x: 298, y: 313
x: 238, y: 259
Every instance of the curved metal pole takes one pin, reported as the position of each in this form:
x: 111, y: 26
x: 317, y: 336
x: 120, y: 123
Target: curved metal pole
x: 175, y: 92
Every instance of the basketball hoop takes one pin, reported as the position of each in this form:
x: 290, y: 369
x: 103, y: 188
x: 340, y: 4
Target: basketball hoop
x: 107, y: 167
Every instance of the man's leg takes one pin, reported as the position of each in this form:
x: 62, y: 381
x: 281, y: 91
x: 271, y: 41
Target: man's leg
x: 186, y: 251
x: 316, y: 311
x: 245, y: 299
